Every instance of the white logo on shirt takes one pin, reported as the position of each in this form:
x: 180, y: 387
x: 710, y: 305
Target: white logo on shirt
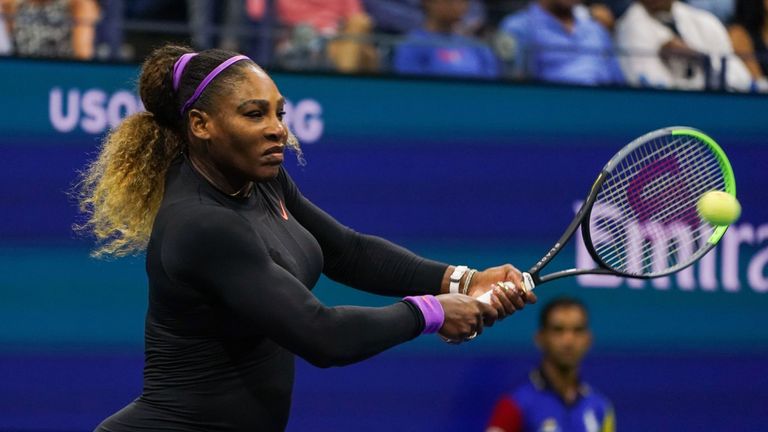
x: 549, y: 425
x: 590, y: 421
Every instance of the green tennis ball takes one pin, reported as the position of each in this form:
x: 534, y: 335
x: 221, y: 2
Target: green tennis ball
x: 719, y: 208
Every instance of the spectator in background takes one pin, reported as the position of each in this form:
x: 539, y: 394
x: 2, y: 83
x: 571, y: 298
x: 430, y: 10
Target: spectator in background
x: 749, y: 34
x: 617, y: 7
x: 109, y: 31
x: 139, y: 43
x: 403, y: 16
x: 559, y: 41
x: 52, y: 28
x: 5, y: 39
x: 439, y: 49
x: 669, y: 44
x: 555, y: 398
x: 343, y: 23
x: 602, y: 13
x: 202, y: 23
x: 395, y: 16
x: 722, y: 9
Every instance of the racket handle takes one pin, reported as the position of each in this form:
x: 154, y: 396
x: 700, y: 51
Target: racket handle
x: 527, y: 281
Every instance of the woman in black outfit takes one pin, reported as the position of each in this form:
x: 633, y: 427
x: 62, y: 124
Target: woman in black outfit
x: 233, y: 250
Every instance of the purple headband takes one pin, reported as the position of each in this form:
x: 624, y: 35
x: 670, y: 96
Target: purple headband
x: 178, y: 68
x: 181, y: 64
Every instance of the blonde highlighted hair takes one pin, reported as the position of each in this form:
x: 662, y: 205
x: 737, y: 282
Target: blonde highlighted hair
x: 121, y: 190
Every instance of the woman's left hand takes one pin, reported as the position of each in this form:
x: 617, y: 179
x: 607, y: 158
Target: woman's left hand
x: 506, y: 300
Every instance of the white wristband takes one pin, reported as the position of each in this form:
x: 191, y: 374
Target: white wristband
x: 458, y: 272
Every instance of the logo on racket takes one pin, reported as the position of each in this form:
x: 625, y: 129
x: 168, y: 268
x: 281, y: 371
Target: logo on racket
x: 658, y: 186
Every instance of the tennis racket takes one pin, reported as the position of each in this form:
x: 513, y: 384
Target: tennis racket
x: 640, y: 218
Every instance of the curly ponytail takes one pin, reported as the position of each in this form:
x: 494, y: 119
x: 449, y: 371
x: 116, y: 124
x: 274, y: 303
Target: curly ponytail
x: 120, y: 192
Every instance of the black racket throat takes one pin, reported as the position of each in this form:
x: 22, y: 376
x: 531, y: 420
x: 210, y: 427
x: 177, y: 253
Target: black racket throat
x: 583, y: 214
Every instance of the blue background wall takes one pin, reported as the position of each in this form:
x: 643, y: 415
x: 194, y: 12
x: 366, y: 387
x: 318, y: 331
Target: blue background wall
x: 475, y: 173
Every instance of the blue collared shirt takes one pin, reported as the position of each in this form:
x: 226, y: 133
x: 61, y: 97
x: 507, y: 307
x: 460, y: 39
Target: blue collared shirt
x: 428, y: 53
x: 536, y: 407
x: 549, y: 52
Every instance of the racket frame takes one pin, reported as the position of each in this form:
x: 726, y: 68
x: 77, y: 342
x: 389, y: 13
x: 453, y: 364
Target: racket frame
x: 532, y: 277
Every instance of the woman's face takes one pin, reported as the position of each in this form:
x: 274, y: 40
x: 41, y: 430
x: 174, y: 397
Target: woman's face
x: 246, y: 132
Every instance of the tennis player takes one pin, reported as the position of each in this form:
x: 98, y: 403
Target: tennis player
x: 233, y: 250
x: 555, y: 399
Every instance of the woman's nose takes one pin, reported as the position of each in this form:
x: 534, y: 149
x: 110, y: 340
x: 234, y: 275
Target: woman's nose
x: 276, y: 131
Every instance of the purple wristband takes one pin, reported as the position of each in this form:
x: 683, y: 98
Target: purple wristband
x: 432, y: 311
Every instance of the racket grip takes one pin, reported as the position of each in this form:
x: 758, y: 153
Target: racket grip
x: 527, y: 281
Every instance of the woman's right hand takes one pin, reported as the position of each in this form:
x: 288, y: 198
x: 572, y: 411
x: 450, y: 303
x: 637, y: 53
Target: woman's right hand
x: 464, y: 317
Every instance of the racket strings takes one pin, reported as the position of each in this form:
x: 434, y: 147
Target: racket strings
x: 690, y: 177
x: 675, y: 239
x: 663, y: 215
x: 650, y: 197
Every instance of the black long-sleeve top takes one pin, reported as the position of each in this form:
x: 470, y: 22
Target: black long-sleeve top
x: 230, y: 304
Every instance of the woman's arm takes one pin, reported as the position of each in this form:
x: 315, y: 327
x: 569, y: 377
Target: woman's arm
x: 85, y: 15
x: 742, y: 45
x: 376, y: 265
x: 217, y: 252
x: 8, y: 10
x: 362, y: 261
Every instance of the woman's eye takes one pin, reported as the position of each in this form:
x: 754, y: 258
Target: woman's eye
x: 255, y: 114
x: 280, y: 114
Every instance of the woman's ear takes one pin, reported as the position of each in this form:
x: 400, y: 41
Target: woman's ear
x: 200, y: 124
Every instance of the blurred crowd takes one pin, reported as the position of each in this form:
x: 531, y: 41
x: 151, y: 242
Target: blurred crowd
x: 691, y: 45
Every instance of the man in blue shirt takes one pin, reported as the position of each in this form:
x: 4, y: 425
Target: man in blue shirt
x: 438, y: 48
x: 558, y: 41
x: 403, y: 16
x: 555, y: 399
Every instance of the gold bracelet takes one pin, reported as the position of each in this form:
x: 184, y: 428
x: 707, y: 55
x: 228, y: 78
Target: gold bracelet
x: 467, y: 281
